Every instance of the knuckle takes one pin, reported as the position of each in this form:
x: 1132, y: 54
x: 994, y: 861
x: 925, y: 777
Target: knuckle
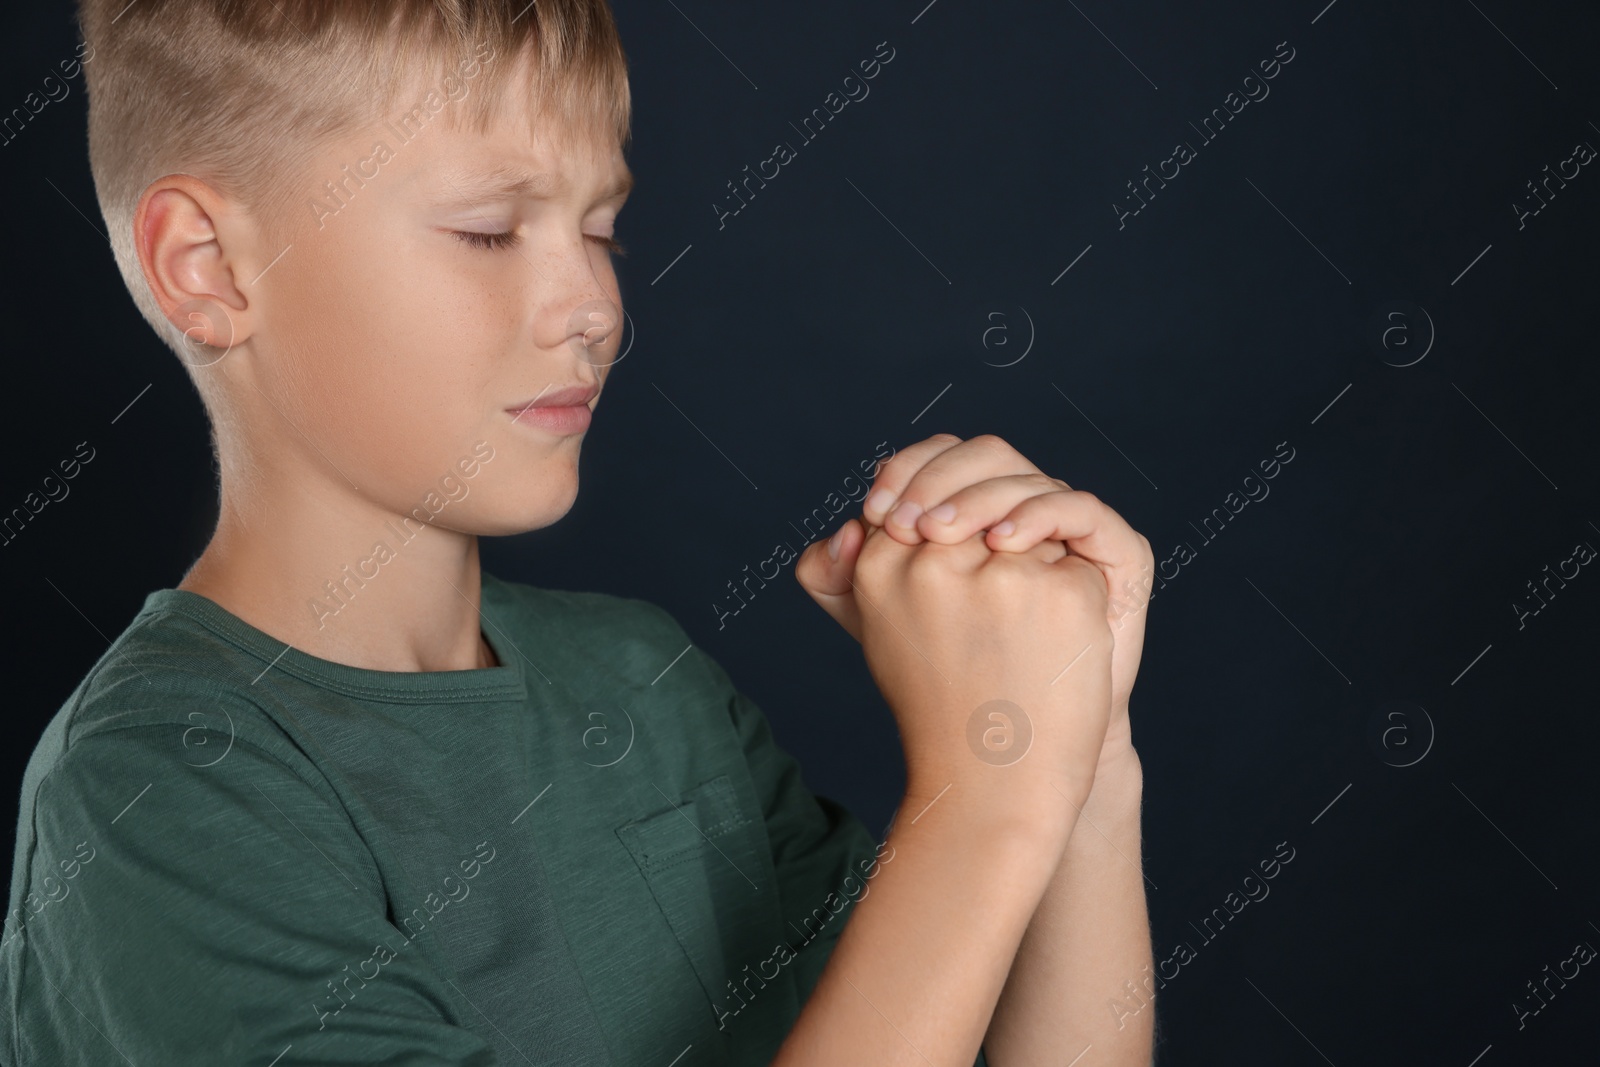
x: 992, y: 443
x: 898, y: 468
x: 873, y: 559
x: 926, y: 565
x: 888, y: 469
x: 1012, y: 573
x: 1044, y: 481
x: 1002, y: 566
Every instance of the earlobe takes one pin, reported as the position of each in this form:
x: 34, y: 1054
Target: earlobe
x: 208, y: 330
x: 188, y: 265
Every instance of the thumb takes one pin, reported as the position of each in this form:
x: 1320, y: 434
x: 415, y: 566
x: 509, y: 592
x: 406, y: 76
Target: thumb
x: 828, y: 580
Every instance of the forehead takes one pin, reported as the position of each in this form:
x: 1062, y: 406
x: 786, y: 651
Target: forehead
x: 494, y: 175
x: 514, y: 157
x: 503, y: 144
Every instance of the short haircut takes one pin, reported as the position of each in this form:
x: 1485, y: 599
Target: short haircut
x: 243, y: 94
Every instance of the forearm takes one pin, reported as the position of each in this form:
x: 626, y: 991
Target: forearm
x: 1089, y: 936
x: 916, y: 973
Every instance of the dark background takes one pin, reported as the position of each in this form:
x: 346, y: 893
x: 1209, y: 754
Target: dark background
x: 1442, y: 858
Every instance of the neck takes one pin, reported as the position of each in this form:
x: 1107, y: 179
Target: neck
x: 344, y: 581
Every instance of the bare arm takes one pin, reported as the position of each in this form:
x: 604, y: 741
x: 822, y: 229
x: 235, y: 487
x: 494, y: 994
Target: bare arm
x: 952, y: 629
x: 1082, y: 976
x: 916, y: 974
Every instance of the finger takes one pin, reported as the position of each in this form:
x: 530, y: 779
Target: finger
x: 1087, y: 527
x: 1080, y: 519
x: 895, y: 473
x: 828, y: 580
x: 952, y: 469
x: 982, y: 505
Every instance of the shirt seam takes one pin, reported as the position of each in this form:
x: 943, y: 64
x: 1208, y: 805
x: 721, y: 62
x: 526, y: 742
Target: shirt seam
x: 386, y: 695
x: 311, y: 784
x: 27, y: 950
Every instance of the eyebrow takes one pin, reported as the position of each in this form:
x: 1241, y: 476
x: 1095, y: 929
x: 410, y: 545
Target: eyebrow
x: 510, y: 179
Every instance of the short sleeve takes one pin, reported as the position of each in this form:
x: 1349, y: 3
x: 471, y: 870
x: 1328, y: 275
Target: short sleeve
x: 824, y: 855
x: 221, y: 913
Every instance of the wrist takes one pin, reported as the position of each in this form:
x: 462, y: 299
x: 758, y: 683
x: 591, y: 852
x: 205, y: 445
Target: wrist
x: 1017, y: 811
x: 1025, y: 842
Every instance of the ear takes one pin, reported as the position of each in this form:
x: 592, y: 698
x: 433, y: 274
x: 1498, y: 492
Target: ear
x: 193, y: 247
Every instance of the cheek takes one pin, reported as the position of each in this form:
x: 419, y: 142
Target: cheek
x: 387, y: 356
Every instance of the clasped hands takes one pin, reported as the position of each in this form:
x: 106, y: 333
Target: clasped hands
x: 946, y: 490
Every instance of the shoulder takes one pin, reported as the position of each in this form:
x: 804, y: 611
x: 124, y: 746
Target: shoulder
x: 187, y: 792
x: 166, y: 689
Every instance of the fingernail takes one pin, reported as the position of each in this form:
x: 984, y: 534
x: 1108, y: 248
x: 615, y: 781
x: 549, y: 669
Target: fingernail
x: 906, y: 514
x: 881, y: 500
x: 833, y: 544
x: 1005, y: 529
x: 945, y: 513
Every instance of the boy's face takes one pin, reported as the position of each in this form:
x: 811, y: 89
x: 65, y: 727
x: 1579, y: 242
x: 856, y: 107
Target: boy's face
x: 413, y: 314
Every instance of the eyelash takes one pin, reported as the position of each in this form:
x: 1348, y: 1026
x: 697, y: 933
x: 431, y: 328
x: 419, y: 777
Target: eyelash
x: 495, y: 241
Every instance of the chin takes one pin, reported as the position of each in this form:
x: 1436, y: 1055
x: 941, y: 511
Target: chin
x: 545, y: 504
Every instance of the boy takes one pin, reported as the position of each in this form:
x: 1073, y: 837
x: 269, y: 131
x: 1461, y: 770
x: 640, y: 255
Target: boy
x: 341, y: 797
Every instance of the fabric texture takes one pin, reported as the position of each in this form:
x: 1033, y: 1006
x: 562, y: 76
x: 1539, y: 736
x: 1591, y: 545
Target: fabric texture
x: 230, y: 851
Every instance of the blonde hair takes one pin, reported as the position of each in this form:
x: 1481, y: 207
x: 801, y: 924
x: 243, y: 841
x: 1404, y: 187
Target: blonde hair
x: 243, y: 94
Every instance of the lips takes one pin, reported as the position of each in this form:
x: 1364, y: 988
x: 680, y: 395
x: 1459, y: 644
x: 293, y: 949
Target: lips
x: 567, y: 396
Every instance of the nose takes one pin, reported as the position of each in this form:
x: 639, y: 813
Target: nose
x: 584, y: 301
x: 594, y: 332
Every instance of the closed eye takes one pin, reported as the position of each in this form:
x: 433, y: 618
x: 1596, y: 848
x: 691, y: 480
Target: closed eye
x: 494, y: 241
x: 487, y: 240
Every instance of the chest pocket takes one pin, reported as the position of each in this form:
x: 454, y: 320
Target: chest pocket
x: 702, y: 861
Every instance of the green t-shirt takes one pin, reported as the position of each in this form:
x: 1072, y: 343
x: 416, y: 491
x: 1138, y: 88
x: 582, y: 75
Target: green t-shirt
x: 230, y: 851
